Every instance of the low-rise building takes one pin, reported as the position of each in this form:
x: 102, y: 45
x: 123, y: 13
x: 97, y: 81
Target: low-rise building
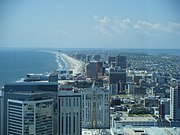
x: 145, y: 131
x: 151, y: 101
x: 148, y: 121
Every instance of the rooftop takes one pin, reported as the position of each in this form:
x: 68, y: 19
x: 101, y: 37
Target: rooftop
x: 148, y: 131
x: 33, y: 83
x: 31, y: 92
x: 139, y: 119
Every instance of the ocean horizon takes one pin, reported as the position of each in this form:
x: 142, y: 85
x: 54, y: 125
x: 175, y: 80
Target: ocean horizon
x: 17, y: 62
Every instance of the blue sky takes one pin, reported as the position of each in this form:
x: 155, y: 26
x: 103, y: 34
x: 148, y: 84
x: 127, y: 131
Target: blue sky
x: 90, y: 23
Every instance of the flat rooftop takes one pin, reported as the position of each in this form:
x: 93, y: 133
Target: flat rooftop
x: 137, y: 119
x: 95, y: 132
x: 31, y: 93
x: 148, y: 131
x: 32, y: 83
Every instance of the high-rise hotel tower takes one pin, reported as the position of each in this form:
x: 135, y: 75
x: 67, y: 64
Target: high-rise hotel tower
x: 175, y: 106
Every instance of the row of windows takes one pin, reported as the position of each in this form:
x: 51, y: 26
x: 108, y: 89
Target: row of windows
x: 70, y: 102
x: 71, y: 124
x: 15, y: 104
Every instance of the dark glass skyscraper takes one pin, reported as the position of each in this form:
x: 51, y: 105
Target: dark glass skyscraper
x: 121, y: 61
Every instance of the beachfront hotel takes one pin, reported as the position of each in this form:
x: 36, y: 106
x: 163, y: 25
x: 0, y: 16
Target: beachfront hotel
x: 29, y: 113
x: 95, y: 108
x: 117, y: 78
x: 29, y: 108
x: 94, y: 69
x: 69, y: 113
x: 174, y: 118
x: 30, y: 117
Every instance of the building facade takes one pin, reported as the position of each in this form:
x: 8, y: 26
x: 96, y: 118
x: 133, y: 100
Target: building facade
x: 94, y: 69
x: 118, y: 76
x: 175, y: 106
x: 17, y: 97
x: 121, y: 61
x: 111, y: 60
x: 164, y: 107
x: 30, y: 117
x: 69, y: 113
x: 95, y: 108
x: 134, y: 122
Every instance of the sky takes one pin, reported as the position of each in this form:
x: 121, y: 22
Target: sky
x: 90, y: 24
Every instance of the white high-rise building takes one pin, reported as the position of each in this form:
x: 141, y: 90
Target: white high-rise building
x: 95, y: 108
x: 175, y: 106
x: 30, y: 117
x: 69, y: 113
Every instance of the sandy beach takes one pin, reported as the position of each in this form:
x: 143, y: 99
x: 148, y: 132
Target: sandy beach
x: 75, y: 65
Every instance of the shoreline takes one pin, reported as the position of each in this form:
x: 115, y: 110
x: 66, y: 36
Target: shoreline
x: 67, y: 62
x: 72, y: 63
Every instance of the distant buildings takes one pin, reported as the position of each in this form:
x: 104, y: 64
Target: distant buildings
x: 117, y: 77
x: 151, y: 101
x: 66, y: 106
x: 53, y: 77
x: 131, y: 87
x: 137, y: 78
x: 139, y: 90
x: 111, y: 60
x: 118, y: 61
x: 88, y: 58
x: 121, y: 61
x: 96, y: 57
x: 164, y: 107
x: 94, y: 69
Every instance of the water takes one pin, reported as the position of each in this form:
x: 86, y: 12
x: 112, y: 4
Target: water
x: 16, y: 63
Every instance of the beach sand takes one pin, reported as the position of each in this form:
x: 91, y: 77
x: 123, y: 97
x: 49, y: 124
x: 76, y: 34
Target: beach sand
x: 75, y: 65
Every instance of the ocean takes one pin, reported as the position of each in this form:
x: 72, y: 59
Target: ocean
x: 16, y: 63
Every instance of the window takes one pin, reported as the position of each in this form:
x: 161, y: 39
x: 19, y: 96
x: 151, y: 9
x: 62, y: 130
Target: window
x: 74, y: 124
x: 69, y: 124
x: 69, y: 102
x: 66, y: 123
x: 62, y: 125
x: 66, y: 102
x: 77, y: 103
x: 62, y: 102
x: 74, y: 102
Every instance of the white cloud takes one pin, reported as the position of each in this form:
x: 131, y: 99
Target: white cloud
x: 115, y: 26
x: 174, y: 26
x: 150, y: 27
x: 108, y: 27
x: 102, y: 30
x: 104, y: 20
